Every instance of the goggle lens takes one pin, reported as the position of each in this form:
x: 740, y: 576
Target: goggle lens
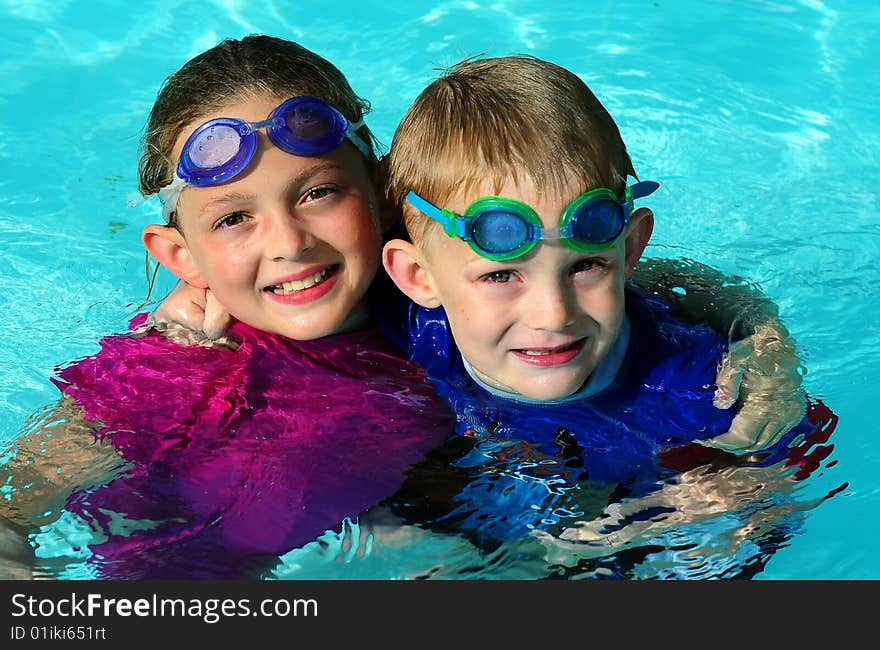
x: 308, y: 123
x: 216, y: 151
x: 597, y: 222
x: 313, y: 128
x: 215, y: 146
x: 499, y: 232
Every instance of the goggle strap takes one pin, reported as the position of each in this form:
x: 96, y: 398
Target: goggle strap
x: 641, y: 189
x: 169, y: 195
x: 357, y: 141
x: 556, y: 234
x: 250, y: 127
x: 455, y: 226
x: 444, y: 217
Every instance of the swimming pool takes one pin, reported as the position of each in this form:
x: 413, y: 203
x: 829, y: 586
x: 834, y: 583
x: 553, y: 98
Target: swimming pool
x: 759, y: 118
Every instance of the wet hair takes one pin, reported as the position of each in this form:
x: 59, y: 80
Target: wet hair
x: 485, y: 121
x: 231, y: 72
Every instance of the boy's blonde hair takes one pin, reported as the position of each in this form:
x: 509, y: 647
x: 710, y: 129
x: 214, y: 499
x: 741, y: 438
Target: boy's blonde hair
x: 490, y: 120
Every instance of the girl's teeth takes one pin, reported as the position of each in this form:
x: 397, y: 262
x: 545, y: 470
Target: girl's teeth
x: 299, y: 285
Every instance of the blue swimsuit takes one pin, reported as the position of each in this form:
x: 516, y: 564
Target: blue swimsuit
x: 536, y: 464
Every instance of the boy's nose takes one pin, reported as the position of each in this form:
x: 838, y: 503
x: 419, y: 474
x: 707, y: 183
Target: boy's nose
x: 287, y: 238
x: 550, y: 307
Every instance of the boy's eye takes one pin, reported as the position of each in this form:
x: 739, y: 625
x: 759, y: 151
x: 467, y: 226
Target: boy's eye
x: 591, y: 265
x: 499, y: 277
x: 230, y: 220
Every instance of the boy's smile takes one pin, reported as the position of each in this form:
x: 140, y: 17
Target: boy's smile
x: 548, y: 357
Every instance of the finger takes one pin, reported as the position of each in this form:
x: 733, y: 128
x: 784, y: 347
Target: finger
x: 780, y: 421
x: 228, y: 342
x: 185, y: 305
x: 217, y: 319
x: 742, y: 436
x: 727, y: 382
x: 729, y: 377
x: 761, y: 421
x: 179, y: 334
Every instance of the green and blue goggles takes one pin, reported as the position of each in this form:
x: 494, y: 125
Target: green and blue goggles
x: 500, y: 228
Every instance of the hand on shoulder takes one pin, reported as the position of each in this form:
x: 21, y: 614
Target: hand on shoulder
x: 762, y: 374
x: 193, y: 316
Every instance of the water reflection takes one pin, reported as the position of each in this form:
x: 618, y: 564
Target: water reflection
x: 510, y: 516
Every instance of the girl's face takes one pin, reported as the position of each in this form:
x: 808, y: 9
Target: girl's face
x: 291, y: 244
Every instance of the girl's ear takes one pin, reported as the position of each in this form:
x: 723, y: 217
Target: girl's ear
x: 168, y: 246
x: 406, y: 266
x: 641, y: 225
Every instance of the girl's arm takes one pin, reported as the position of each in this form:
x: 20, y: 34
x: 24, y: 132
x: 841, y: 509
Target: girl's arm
x: 762, y: 371
x: 701, y: 294
x: 55, y: 455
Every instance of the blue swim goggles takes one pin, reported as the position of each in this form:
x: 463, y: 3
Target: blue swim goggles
x: 221, y: 148
x: 499, y: 228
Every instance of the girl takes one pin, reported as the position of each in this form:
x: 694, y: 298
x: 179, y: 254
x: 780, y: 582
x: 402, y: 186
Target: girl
x: 222, y: 458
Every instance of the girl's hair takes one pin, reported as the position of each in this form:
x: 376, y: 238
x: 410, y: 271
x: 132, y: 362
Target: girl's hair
x: 230, y: 72
x: 490, y: 120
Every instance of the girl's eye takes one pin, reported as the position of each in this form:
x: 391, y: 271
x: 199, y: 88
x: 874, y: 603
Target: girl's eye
x: 499, y: 277
x: 231, y: 220
x: 317, y: 193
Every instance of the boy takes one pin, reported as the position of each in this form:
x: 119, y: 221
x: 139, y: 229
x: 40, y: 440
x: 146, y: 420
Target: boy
x: 511, y: 178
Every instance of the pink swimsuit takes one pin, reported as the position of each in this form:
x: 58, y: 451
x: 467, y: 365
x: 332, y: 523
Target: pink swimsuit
x: 237, y: 454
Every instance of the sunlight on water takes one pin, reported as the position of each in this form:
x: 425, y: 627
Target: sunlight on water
x: 759, y: 118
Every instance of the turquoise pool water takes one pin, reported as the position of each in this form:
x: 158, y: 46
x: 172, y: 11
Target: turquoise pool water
x: 759, y: 118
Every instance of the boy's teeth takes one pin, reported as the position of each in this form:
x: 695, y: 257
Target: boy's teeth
x: 299, y: 285
x: 539, y: 353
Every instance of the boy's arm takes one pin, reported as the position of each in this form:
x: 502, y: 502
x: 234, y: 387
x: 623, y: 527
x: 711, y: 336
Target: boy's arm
x: 192, y: 316
x: 761, y: 371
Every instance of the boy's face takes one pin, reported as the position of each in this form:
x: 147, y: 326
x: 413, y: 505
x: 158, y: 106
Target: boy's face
x: 537, y: 325
x: 292, y: 243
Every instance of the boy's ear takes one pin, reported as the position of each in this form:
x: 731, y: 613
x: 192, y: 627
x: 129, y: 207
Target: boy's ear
x: 641, y: 225
x: 405, y: 264
x: 168, y: 246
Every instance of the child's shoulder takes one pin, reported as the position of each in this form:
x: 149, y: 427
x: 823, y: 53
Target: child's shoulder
x: 653, y: 323
x: 665, y: 386
x: 140, y: 369
x: 420, y: 334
